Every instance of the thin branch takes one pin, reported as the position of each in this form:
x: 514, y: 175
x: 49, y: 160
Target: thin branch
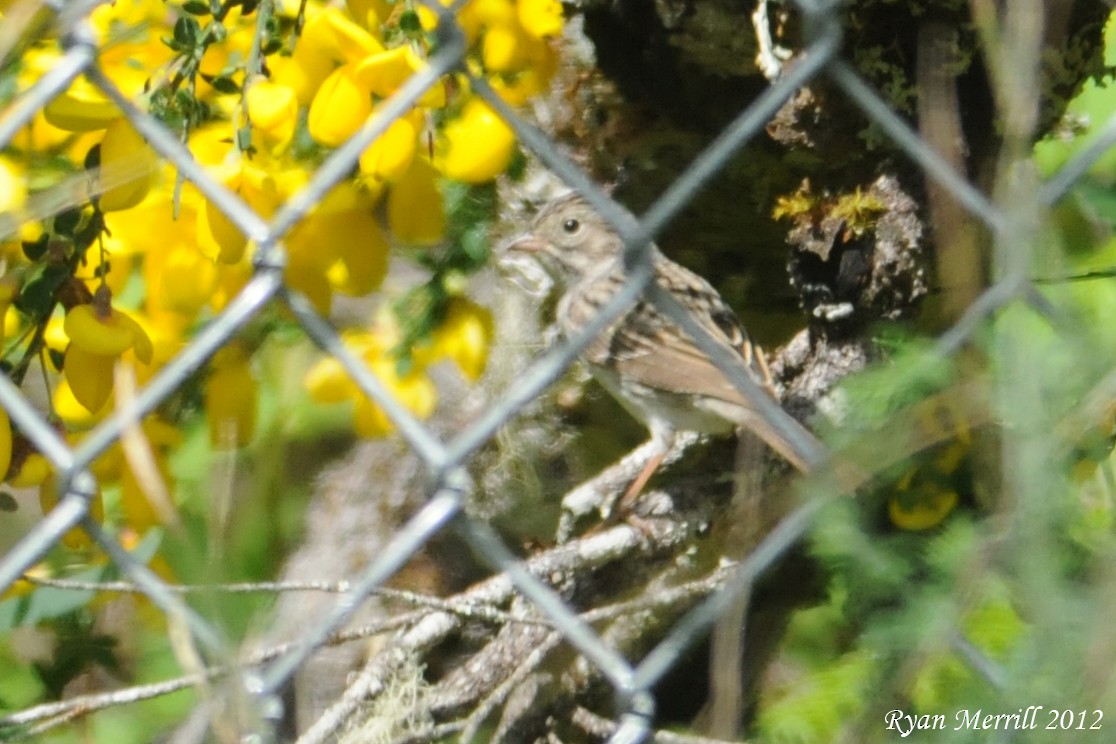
x: 484, y: 709
x: 481, y: 612
x: 428, y: 626
x: 601, y: 727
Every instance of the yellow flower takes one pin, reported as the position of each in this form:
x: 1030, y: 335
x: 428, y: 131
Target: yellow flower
x: 106, y: 331
x: 148, y: 500
x: 81, y: 108
x: 328, y: 382
x: 226, y: 56
x: 263, y: 183
x: 128, y: 165
x: 75, y: 415
x: 231, y: 278
x: 12, y: 322
x: 471, y: 21
x: 151, y: 226
x: 464, y: 337
x: 135, y: 13
x: 331, y: 33
x: 178, y: 275
x: 480, y: 144
x: 13, y: 186
x: 303, y: 72
x: 139, y: 512
x: 218, y: 237
x: 369, y: 13
x: 305, y: 276
x: 383, y: 73
x: 362, y: 261
x: 54, y: 335
x: 210, y: 145
x: 98, y: 337
x: 5, y: 443
x: 413, y: 390
x: 540, y: 18
x: 39, y: 135
x: 389, y: 156
x: 76, y: 538
x: 166, y: 331
x: 34, y: 470
x: 8, y: 289
x: 922, y: 509
x: 504, y: 48
x: 23, y: 586
x: 90, y: 377
x: 340, y: 107
x: 415, y: 211
x: 130, y: 50
x: 341, y: 241
x: 230, y: 400
x: 180, y: 279
x: 273, y: 110
x: 109, y: 467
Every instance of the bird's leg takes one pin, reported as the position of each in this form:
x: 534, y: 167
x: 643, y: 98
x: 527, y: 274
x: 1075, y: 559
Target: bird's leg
x: 627, y: 501
x: 602, y: 493
x: 654, y: 450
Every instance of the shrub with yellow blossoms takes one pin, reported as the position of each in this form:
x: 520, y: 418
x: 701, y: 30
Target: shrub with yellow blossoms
x: 125, y: 273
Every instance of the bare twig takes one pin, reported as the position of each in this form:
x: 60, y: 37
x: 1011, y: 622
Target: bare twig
x: 425, y: 627
x: 601, y: 727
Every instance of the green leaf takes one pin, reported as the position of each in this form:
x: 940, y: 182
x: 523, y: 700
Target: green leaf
x: 517, y: 168
x: 66, y: 221
x: 92, y: 158
x: 409, y: 22
x: 224, y: 84
x: 474, y: 245
x: 215, y: 33
x: 46, y: 602
x: 148, y: 546
x: 89, y: 232
x: 196, y: 7
x: 36, y: 297
x: 184, y: 100
x: 35, y: 249
x: 186, y: 32
x: 172, y: 44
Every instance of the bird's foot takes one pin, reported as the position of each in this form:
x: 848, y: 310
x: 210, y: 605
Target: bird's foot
x: 612, y: 494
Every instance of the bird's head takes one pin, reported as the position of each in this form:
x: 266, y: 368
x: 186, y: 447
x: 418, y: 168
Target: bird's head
x: 569, y: 238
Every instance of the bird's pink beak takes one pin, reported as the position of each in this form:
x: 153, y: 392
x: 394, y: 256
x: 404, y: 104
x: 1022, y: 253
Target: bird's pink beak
x: 526, y: 243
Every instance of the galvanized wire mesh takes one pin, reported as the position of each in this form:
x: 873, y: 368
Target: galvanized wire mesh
x: 446, y: 459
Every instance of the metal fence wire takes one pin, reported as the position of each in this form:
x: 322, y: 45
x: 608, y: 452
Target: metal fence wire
x: 445, y: 458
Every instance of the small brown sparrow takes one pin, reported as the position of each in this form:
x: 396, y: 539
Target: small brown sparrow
x: 645, y: 360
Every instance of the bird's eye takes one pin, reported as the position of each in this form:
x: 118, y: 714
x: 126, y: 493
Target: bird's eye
x: 571, y: 225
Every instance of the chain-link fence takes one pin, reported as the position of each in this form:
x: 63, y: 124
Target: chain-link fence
x: 1007, y: 217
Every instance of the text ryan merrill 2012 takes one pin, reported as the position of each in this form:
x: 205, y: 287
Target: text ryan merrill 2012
x: 1030, y: 718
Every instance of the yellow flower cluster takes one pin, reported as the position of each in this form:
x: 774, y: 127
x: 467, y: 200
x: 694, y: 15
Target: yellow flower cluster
x: 462, y: 339
x: 259, y: 129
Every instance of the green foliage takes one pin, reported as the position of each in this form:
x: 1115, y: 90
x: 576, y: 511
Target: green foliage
x: 470, y: 212
x: 1000, y: 605
x: 48, y: 603
x: 820, y: 702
